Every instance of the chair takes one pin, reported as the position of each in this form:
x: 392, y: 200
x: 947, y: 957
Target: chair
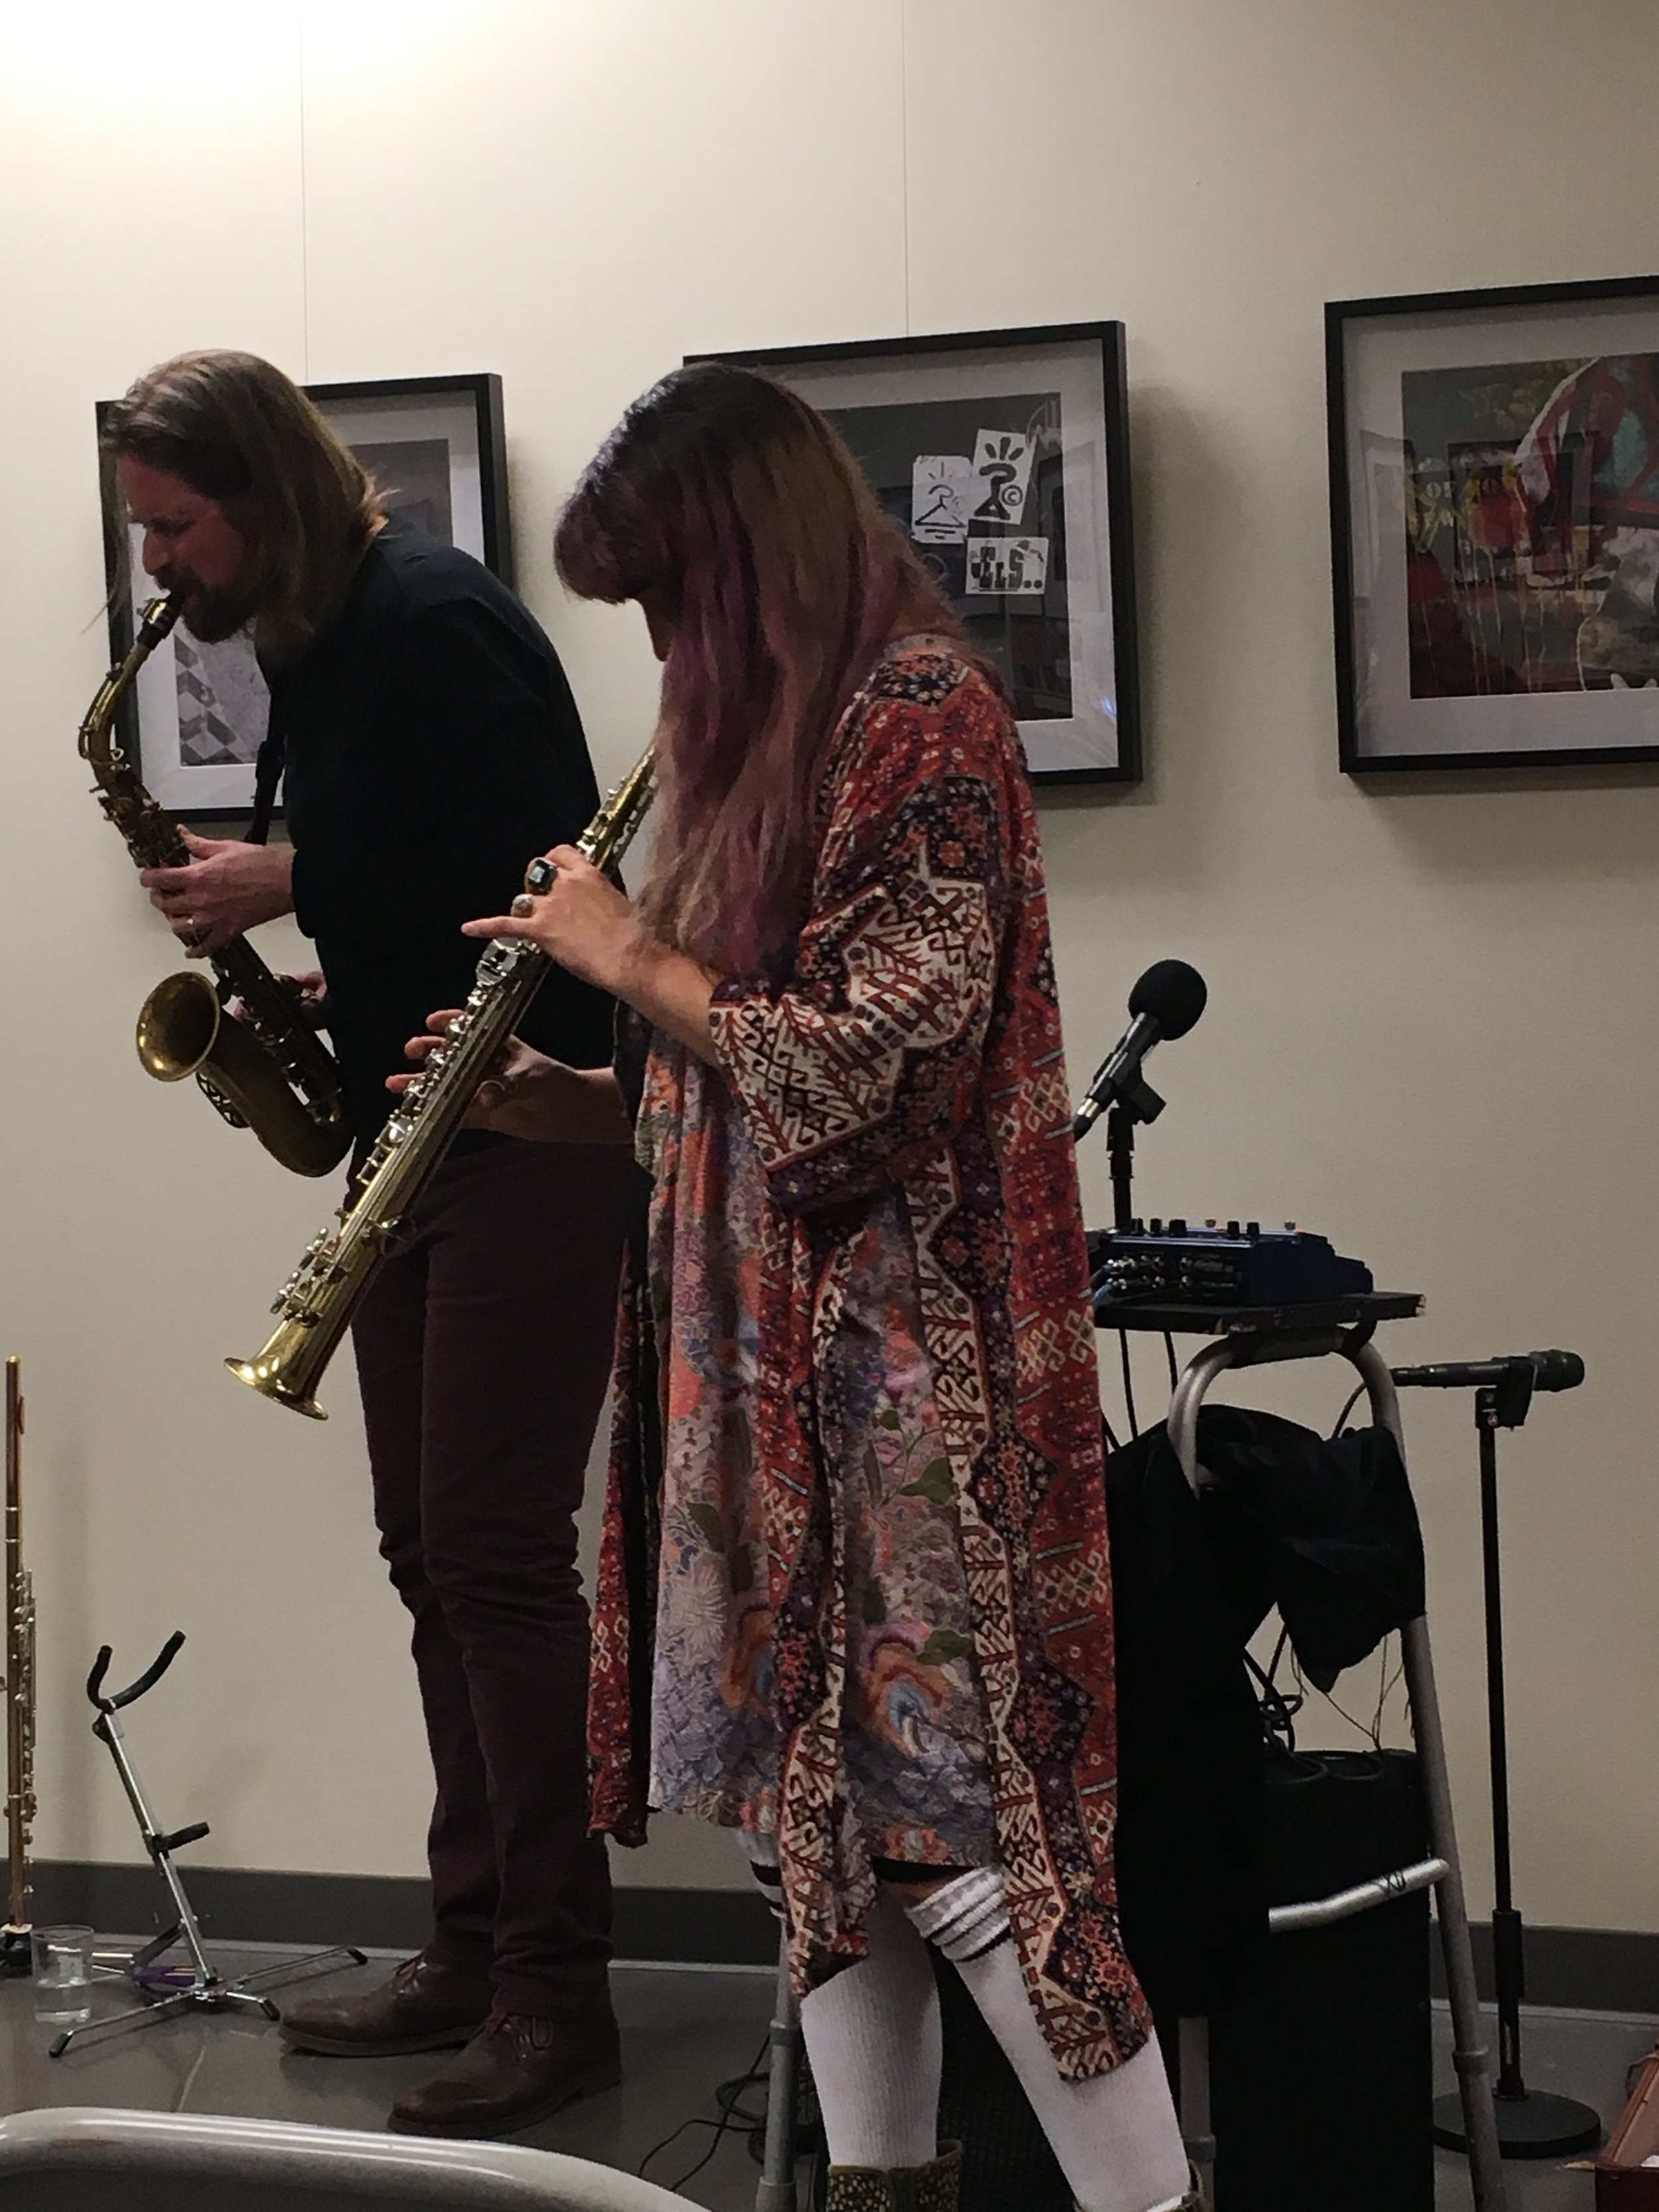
x: 87, y: 2159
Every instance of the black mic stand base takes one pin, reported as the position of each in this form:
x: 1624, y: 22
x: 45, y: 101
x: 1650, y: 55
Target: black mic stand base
x: 1535, y: 2124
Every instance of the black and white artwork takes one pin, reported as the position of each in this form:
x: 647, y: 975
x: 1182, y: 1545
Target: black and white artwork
x: 434, y: 447
x: 1003, y: 456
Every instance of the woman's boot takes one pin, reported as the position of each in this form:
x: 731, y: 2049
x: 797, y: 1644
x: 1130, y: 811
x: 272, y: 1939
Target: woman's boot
x: 932, y: 2188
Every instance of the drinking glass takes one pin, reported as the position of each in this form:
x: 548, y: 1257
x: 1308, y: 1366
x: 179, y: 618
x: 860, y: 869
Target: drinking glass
x: 62, y: 1976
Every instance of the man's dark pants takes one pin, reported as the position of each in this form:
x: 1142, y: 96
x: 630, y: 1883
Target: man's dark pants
x: 483, y: 1354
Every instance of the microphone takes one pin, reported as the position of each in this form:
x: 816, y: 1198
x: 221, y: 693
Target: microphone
x: 1551, y: 1370
x: 1165, y: 1003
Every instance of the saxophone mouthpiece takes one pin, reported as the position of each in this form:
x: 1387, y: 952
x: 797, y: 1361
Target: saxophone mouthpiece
x: 157, y: 618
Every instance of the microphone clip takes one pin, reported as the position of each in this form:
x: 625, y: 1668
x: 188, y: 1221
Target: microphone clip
x: 1123, y: 1101
x: 1138, y: 1100
x: 1506, y: 1403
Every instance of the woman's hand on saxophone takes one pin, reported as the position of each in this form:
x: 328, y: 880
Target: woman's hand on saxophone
x: 585, y: 923
x: 582, y: 921
x: 527, y: 1095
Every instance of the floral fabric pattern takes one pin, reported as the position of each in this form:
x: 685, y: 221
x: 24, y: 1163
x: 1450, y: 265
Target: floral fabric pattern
x: 913, y: 1728
x: 875, y: 1562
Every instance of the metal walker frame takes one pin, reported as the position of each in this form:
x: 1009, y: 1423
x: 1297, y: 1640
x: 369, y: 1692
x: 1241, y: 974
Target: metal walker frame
x: 1269, y: 1343
x: 1257, y: 1339
x: 206, y: 1989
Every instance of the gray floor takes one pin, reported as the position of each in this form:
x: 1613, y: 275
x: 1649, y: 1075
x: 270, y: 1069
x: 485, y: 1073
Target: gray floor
x: 684, y: 2032
x: 1586, y: 2055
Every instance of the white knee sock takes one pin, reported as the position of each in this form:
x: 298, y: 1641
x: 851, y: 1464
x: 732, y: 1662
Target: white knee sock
x: 1117, y: 2138
x: 762, y: 1853
x: 872, y: 2035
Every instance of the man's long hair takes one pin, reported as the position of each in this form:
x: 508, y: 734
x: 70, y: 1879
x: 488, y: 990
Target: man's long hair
x: 738, y: 508
x: 237, y: 430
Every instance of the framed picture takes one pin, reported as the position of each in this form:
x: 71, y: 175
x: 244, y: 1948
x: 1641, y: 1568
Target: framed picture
x: 436, y: 446
x: 1494, y: 461
x: 1004, y: 457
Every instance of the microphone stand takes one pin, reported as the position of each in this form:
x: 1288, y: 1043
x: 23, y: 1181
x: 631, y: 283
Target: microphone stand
x: 1138, y: 1102
x: 1531, y: 2122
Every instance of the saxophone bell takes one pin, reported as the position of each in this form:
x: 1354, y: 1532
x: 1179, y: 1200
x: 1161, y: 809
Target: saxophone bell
x: 269, y: 1072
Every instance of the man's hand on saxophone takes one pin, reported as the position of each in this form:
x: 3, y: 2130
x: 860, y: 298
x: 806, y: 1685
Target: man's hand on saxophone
x: 527, y: 1095
x: 228, y: 889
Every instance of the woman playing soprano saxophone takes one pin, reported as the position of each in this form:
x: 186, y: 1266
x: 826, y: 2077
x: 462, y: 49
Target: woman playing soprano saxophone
x: 876, y: 1566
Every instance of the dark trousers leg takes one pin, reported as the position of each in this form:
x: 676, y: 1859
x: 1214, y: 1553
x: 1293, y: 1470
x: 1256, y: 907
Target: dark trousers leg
x: 482, y: 1353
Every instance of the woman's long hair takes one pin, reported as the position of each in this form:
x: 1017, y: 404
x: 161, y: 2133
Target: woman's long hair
x: 237, y: 430
x: 734, y: 505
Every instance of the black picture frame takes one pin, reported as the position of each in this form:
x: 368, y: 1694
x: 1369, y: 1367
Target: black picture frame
x: 1489, y: 567
x: 450, y: 480
x: 1099, y: 739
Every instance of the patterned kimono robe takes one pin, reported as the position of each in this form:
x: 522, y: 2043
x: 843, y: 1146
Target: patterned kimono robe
x: 864, y: 1600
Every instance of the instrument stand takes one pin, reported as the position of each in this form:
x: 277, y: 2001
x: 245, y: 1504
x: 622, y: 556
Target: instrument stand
x: 167, y: 1992
x: 1531, y: 2122
x: 1250, y: 1336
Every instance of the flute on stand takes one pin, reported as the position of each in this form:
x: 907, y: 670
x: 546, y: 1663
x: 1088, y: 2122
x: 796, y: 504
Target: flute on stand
x: 20, y: 1693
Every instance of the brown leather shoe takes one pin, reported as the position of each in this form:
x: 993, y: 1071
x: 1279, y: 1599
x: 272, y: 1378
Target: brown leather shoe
x: 516, y: 2070
x: 422, y: 2007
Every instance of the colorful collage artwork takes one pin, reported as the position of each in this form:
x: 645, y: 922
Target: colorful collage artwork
x: 1495, y: 480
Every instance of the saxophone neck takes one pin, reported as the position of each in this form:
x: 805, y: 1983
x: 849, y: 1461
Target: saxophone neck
x: 610, y: 832
x: 154, y: 621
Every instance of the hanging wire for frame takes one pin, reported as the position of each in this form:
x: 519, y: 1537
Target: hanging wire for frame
x: 733, y: 2114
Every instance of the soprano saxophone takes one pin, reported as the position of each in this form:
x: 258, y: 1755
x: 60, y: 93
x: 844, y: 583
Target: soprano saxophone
x: 319, y: 1299
x: 19, y: 1694
x: 267, y: 1072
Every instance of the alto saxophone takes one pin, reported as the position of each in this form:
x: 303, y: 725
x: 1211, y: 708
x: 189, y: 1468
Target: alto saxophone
x: 19, y: 1694
x: 320, y: 1297
x: 267, y: 1072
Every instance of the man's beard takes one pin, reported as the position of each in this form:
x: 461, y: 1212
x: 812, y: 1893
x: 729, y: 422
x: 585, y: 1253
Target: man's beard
x: 209, y: 616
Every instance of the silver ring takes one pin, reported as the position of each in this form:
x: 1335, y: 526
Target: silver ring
x: 540, y: 877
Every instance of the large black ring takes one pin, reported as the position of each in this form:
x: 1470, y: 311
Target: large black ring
x: 540, y: 876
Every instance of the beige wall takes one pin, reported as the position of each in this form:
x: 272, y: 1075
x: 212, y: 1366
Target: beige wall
x: 1432, y: 1021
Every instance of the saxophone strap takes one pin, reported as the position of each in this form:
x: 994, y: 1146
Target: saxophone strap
x: 269, y: 763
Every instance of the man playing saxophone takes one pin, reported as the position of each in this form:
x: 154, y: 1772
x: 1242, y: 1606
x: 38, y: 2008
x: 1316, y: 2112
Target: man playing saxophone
x: 428, y: 744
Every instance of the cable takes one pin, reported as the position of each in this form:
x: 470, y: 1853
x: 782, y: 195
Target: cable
x: 1169, y: 1354
x: 1373, y: 1734
x: 1385, y: 1686
x: 1129, y: 1381
x: 1279, y: 1708
x: 1355, y: 1395
x: 731, y: 2115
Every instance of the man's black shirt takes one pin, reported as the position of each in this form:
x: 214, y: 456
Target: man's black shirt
x: 430, y: 747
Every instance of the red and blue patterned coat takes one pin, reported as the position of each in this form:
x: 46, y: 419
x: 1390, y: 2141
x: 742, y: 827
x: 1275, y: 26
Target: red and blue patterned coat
x: 915, y: 1044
